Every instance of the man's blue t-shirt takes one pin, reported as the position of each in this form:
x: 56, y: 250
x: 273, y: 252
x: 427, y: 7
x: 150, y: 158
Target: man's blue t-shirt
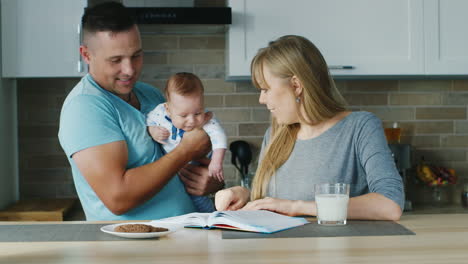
x: 93, y: 116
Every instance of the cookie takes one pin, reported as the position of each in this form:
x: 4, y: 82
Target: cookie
x: 158, y: 229
x: 139, y: 228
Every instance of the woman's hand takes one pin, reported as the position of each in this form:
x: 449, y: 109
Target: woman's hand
x: 231, y: 199
x: 282, y: 206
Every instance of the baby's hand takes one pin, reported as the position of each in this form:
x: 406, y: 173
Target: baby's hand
x: 216, y: 170
x: 159, y: 134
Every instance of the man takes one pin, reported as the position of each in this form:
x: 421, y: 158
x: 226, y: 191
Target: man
x: 120, y: 173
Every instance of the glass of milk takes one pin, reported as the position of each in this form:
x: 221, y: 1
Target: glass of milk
x: 332, y: 203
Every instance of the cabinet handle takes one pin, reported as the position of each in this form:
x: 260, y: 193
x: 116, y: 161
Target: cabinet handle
x: 79, y: 66
x: 341, y: 67
x: 80, y: 62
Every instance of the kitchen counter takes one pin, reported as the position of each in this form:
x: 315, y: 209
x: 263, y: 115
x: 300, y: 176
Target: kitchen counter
x: 432, y: 209
x: 441, y: 238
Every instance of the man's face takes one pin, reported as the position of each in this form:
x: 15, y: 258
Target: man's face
x: 115, y: 59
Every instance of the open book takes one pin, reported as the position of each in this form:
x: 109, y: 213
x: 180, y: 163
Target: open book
x: 253, y: 221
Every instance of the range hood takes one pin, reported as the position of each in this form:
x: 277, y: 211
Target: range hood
x: 182, y: 15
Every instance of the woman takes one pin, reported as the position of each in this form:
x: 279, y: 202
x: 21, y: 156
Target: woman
x: 314, y: 139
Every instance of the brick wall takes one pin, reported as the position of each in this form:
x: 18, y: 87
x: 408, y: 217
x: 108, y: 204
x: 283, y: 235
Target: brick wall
x: 432, y: 113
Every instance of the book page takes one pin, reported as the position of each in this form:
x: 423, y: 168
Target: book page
x: 256, y: 221
x: 192, y: 219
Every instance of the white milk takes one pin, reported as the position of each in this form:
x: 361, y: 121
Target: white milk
x: 332, y: 207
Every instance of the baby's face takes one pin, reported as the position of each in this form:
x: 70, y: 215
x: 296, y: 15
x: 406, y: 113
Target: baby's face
x: 187, y: 112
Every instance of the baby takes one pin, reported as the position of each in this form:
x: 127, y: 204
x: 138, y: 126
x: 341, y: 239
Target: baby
x: 184, y: 111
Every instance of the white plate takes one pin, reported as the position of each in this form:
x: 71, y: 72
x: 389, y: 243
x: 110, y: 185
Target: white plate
x: 171, y: 226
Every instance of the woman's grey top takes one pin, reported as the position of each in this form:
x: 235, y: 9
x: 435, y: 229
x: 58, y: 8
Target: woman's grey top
x: 353, y: 151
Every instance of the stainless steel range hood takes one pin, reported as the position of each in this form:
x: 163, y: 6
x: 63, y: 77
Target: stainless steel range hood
x: 176, y: 12
x: 182, y: 15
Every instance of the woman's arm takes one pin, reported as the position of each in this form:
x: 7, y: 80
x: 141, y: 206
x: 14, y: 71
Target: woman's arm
x: 283, y: 206
x: 381, y: 173
x: 371, y: 206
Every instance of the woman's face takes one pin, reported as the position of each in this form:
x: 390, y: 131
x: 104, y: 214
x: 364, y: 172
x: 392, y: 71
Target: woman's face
x: 278, y: 96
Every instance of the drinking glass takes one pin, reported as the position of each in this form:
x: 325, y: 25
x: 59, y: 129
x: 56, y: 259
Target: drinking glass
x: 332, y: 203
x: 393, y: 134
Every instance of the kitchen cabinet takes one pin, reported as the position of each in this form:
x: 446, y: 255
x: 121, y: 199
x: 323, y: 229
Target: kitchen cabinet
x: 8, y: 141
x: 41, y: 38
x: 446, y: 37
x: 373, y: 37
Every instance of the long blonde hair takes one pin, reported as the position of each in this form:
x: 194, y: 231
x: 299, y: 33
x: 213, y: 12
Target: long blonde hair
x: 286, y: 57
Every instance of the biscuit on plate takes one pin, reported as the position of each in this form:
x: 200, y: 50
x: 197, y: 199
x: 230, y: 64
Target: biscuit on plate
x: 139, y: 228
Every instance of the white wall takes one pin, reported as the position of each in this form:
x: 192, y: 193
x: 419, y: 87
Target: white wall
x: 8, y: 141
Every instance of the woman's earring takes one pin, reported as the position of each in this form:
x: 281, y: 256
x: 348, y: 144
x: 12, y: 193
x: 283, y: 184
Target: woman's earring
x: 298, y: 100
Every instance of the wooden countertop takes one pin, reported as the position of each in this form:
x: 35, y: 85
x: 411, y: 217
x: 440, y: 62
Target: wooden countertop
x: 441, y: 238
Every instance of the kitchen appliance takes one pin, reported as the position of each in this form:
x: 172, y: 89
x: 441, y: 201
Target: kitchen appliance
x: 402, y: 155
x: 240, y: 152
x: 181, y: 15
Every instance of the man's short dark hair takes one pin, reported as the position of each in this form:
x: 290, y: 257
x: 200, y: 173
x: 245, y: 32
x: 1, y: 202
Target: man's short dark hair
x: 108, y: 16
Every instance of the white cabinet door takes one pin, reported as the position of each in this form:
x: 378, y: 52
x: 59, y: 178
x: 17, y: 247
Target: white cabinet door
x: 375, y: 37
x: 446, y: 37
x: 41, y: 38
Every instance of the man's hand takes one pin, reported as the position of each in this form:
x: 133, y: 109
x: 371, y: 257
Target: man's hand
x: 197, y: 180
x: 159, y: 134
x: 195, y: 143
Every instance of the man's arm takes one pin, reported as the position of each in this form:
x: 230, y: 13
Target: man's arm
x: 104, y: 167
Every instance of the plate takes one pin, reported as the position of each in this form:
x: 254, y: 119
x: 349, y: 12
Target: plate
x: 109, y: 229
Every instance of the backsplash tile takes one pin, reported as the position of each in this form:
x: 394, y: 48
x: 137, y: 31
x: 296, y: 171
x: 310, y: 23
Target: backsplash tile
x: 218, y: 86
x: 425, y: 85
x: 159, y: 42
x: 387, y: 113
x: 461, y: 127
x: 370, y: 86
x: 242, y: 100
x: 441, y: 113
x: 415, y: 99
x: 460, y: 85
x: 434, y: 127
x: 455, y: 99
x: 253, y: 129
x: 206, y: 42
x: 455, y: 141
x: 422, y: 141
x: 366, y: 98
x: 196, y: 57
